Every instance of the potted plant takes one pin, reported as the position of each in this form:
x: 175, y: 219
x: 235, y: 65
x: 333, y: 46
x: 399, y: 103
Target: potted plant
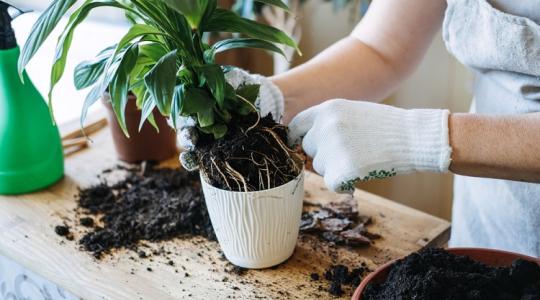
x: 253, y: 183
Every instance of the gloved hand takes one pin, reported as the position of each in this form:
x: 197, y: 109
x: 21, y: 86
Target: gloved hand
x: 270, y: 100
x: 352, y: 141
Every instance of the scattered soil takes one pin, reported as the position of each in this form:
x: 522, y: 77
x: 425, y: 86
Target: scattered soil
x: 153, y: 204
x: 339, y: 277
x: 438, y: 274
x: 150, y: 204
x: 87, y: 222
x: 250, y: 157
x: 339, y: 223
x: 61, y: 230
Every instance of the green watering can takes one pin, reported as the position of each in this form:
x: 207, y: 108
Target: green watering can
x: 31, y: 155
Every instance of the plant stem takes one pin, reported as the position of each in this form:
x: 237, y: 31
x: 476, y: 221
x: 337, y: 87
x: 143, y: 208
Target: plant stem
x: 254, y: 108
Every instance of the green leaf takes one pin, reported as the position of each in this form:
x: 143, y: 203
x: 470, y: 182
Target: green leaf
x: 177, y: 104
x: 210, y: 8
x: 245, y: 109
x: 230, y: 93
x: 227, y: 21
x: 206, y: 117
x: 234, y: 43
x: 135, y: 32
x: 152, y: 122
x: 277, y: 3
x: 249, y: 92
x: 119, y: 86
x: 152, y: 51
x: 161, y: 80
x: 224, y: 114
x: 99, y: 88
x: 88, y: 72
x: 64, y: 42
x: 213, y: 76
x: 138, y: 89
x: 218, y: 130
x: 195, y: 100
x: 43, y: 27
x: 193, y: 10
x: 148, y: 105
x: 149, y: 55
x: 185, y: 75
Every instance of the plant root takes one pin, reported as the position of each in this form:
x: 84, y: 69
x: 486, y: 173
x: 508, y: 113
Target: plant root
x: 252, y: 156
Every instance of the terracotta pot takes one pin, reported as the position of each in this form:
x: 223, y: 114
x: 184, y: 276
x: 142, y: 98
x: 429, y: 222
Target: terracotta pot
x: 147, y: 144
x: 490, y: 257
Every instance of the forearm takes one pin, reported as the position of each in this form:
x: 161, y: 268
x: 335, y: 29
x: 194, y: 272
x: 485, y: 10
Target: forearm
x: 348, y: 69
x: 383, y: 49
x: 504, y: 147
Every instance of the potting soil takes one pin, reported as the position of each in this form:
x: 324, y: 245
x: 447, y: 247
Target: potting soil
x: 150, y: 204
x: 250, y: 157
x: 438, y: 274
x: 339, y: 276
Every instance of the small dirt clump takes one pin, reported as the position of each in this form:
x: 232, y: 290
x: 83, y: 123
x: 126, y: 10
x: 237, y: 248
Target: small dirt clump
x: 150, y: 204
x: 61, y: 230
x: 87, y: 222
x: 340, y: 276
x: 438, y: 274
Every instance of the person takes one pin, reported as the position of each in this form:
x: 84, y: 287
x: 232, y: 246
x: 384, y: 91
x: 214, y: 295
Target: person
x: 494, y: 149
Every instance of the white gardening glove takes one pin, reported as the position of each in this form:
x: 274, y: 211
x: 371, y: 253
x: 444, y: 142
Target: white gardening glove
x: 352, y: 141
x: 270, y: 100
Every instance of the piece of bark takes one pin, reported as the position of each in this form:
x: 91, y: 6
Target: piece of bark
x: 335, y: 224
x: 346, y: 207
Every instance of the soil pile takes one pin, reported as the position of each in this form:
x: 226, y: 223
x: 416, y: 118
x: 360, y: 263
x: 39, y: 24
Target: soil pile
x: 437, y: 274
x: 148, y: 204
x: 252, y: 156
x: 339, y: 223
x: 340, y: 276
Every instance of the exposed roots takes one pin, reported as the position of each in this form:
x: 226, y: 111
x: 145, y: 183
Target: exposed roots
x: 252, y: 159
x: 236, y: 176
x: 220, y: 172
x: 255, y: 109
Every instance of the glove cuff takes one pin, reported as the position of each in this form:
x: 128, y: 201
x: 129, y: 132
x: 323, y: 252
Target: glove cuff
x: 428, y: 147
x: 414, y: 140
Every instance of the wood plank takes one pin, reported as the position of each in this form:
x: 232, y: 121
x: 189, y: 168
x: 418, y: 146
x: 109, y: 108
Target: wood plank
x: 27, y: 237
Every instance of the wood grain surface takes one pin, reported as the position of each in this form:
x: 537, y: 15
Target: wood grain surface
x: 27, y: 236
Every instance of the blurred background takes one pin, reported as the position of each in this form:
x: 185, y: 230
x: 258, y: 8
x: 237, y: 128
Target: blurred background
x: 439, y: 82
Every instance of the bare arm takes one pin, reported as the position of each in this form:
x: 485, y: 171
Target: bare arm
x: 385, y: 47
x: 504, y: 147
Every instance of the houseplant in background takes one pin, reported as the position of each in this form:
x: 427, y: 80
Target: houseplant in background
x: 253, y: 182
x: 290, y: 23
x: 133, y: 143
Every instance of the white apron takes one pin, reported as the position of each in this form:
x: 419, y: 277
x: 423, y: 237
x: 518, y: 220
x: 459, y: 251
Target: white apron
x: 504, y: 52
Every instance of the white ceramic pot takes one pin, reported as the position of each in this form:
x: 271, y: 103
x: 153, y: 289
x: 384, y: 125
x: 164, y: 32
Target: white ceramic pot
x: 256, y: 229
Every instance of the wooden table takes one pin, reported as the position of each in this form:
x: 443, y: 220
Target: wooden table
x: 27, y: 237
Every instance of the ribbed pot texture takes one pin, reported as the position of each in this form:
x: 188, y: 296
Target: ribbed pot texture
x: 147, y: 144
x: 256, y: 229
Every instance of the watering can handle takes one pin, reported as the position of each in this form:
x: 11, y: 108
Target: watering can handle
x: 6, y: 5
x: 7, y: 35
